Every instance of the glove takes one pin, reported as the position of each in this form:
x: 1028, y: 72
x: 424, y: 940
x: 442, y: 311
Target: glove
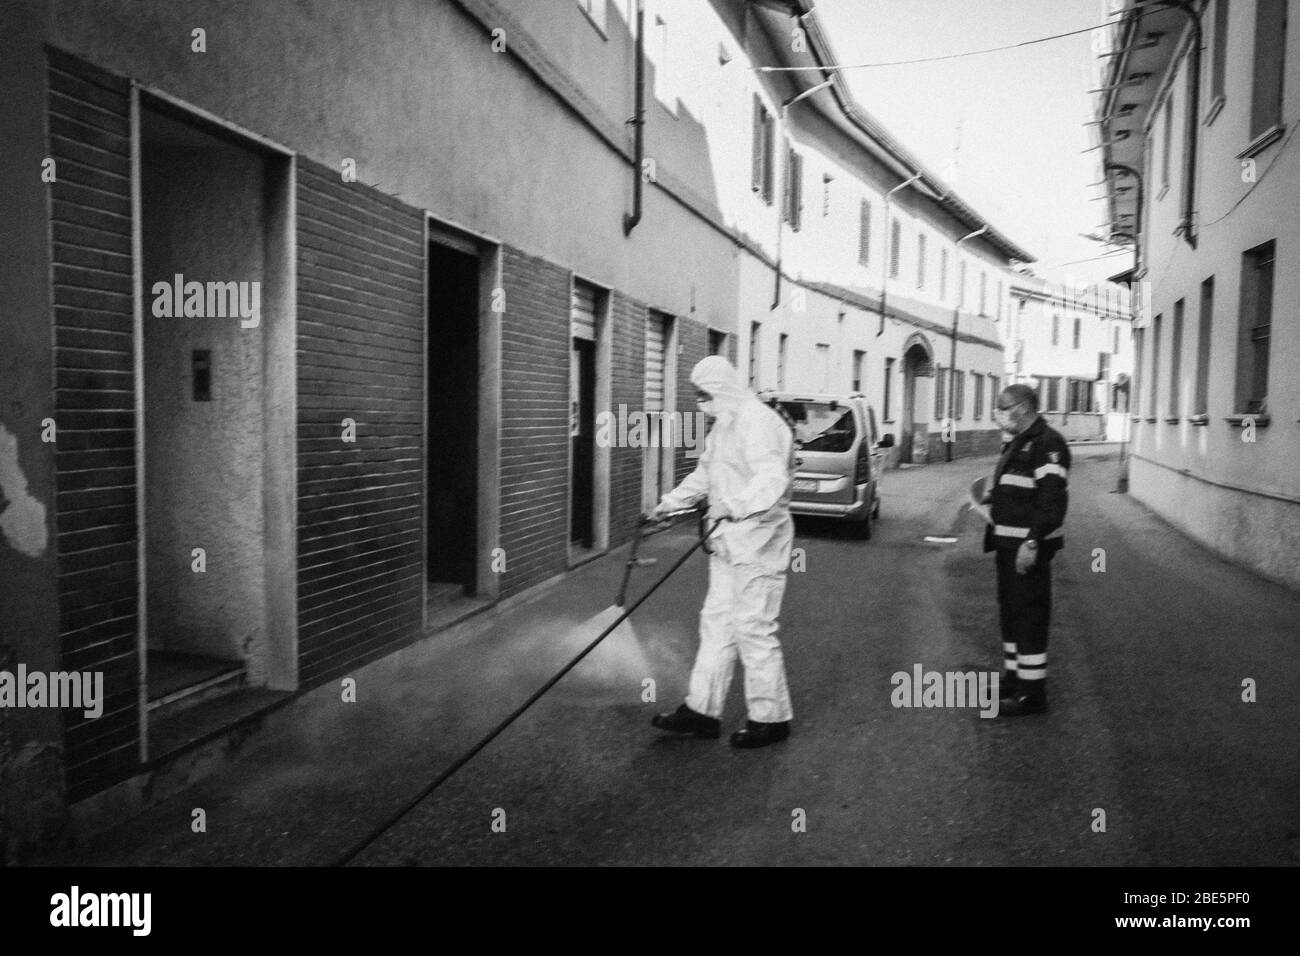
x: 718, y: 512
x: 1025, y: 558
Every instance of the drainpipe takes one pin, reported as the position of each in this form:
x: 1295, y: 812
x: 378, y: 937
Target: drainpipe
x: 638, y: 123
x: 1193, y: 123
x: 1137, y: 217
x: 952, y: 355
x: 889, y: 251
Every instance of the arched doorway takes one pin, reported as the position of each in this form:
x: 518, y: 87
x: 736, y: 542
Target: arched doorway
x: 914, y: 429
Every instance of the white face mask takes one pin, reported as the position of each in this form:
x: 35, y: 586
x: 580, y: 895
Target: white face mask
x: 709, y: 408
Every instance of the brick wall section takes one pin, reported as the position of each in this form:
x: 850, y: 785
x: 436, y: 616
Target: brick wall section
x: 534, y: 420
x: 627, y: 387
x: 89, y: 139
x: 693, y: 345
x: 360, y: 354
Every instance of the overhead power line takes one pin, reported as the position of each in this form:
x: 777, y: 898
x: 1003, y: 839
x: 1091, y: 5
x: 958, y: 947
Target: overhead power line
x: 932, y: 59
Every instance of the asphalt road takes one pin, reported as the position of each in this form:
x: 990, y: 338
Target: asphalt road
x: 1147, y: 722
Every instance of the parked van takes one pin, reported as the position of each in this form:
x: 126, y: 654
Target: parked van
x: 840, y: 456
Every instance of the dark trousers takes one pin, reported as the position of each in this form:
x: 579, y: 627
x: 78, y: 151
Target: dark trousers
x: 1025, y: 607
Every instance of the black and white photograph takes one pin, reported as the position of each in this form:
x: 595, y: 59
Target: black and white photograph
x: 651, y: 434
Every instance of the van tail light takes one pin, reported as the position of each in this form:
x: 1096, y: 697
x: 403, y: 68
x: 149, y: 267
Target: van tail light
x: 860, y: 471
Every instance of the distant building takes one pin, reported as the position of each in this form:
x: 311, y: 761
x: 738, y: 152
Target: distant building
x: 1198, y: 123
x: 1074, y: 345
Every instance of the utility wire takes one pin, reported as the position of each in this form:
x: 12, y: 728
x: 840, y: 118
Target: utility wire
x: 929, y: 59
x: 1138, y: 6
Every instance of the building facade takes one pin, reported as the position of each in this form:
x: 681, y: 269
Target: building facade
x: 305, y: 351
x: 1074, y: 345
x: 1202, y: 170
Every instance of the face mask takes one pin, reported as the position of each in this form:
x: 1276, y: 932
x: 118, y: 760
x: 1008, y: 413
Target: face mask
x: 709, y: 408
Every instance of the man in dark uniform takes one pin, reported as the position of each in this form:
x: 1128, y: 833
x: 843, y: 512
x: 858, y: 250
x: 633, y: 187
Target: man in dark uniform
x: 1028, y: 501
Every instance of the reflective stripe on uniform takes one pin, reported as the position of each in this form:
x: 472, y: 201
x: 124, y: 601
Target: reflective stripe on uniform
x: 1033, y: 673
x: 1020, y: 481
x: 1008, y: 531
x: 1058, y: 533
x: 1033, y: 660
x: 1043, y: 470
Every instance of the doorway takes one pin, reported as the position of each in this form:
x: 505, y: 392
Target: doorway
x: 215, y: 318
x: 914, y: 427
x: 660, y: 399
x: 453, y: 411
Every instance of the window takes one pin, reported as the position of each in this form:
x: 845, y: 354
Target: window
x: 961, y: 284
x: 984, y: 282
x: 1176, y: 360
x: 793, y: 198
x: 717, y: 342
x: 1115, y: 349
x: 1255, y: 329
x: 864, y: 232
x: 665, y: 73
x: 1220, y: 53
x: 997, y: 303
x: 943, y: 274
x: 1155, y: 367
x: 1139, y: 336
x: 1201, y: 404
x: 994, y: 391
x: 889, y: 381
x: 1078, y: 395
x: 761, y: 180
x: 782, y: 352
x: 895, y: 240
x: 1050, y: 390
x: 920, y: 260
x: 827, y: 178
x: 753, y: 354
x: 1167, y: 142
x: 1270, y: 56
x: 822, y: 366
x: 957, y: 383
x: 977, y: 383
x: 1056, y: 329
x: 940, y: 409
x: 1078, y: 329
x: 858, y: 358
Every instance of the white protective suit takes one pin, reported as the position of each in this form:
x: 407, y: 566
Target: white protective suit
x: 746, y: 471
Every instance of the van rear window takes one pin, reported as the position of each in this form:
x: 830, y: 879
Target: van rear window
x: 818, y: 427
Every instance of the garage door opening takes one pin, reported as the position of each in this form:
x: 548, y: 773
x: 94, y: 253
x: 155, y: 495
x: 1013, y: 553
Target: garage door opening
x: 453, y: 432
x: 215, y: 313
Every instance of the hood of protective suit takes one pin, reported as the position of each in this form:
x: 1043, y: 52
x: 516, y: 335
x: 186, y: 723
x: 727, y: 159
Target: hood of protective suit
x: 719, y: 378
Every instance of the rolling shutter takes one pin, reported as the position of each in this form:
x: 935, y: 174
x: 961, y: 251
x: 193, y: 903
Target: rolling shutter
x: 583, y: 311
x: 654, y: 363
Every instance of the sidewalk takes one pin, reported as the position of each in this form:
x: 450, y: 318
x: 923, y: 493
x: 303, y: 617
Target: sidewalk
x: 350, y: 764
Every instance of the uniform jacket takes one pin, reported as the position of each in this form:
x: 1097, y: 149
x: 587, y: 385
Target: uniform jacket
x: 1029, y: 494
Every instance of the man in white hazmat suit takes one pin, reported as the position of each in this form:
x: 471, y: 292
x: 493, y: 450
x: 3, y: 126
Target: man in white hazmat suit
x: 746, y: 471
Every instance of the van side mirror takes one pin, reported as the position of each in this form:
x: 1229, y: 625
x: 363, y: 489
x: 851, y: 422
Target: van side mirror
x: 886, y: 440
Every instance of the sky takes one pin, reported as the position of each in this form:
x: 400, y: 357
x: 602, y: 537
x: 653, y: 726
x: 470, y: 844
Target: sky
x: 1021, y: 162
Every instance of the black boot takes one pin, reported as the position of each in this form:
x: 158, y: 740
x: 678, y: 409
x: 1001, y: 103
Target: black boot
x: 756, y: 734
x: 1030, y: 698
x: 683, y: 720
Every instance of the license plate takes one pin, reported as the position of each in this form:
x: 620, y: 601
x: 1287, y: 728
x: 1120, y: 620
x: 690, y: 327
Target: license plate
x: 805, y: 484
